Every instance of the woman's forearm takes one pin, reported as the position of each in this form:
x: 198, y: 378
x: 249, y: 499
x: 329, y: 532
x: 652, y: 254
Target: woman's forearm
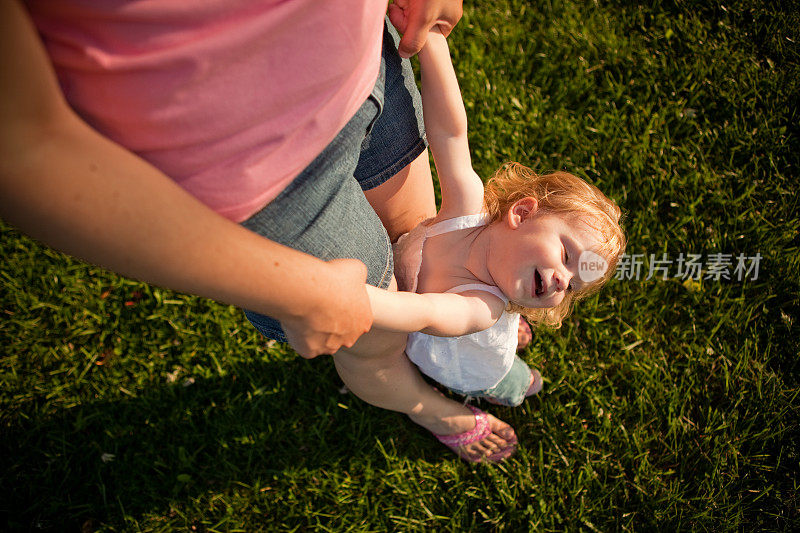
x: 68, y: 186
x: 85, y: 196
x: 80, y: 193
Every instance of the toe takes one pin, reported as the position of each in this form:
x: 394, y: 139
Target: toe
x: 502, y: 436
x: 502, y: 454
x: 497, y: 442
x: 502, y: 430
x: 475, y: 451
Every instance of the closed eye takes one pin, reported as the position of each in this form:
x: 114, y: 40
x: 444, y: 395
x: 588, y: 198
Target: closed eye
x: 570, y: 287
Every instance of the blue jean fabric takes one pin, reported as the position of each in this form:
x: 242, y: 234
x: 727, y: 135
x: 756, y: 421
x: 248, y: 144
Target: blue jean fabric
x: 324, y: 212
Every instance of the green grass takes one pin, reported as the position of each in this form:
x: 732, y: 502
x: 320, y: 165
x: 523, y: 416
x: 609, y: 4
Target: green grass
x: 666, y: 405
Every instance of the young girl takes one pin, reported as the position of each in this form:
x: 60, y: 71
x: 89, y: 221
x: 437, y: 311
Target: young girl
x: 527, y: 243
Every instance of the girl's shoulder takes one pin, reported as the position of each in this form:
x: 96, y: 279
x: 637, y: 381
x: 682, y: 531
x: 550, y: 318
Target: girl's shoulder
x: 441, y: 224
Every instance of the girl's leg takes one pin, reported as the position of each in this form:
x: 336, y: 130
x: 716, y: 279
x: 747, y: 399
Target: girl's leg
x: 377, y: 370
x: 515, y: 387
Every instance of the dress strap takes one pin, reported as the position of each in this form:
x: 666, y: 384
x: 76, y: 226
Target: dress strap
x: 457, y: 223
x: 479, y: 287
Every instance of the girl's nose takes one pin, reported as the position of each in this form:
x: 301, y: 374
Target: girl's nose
x: 562, y: 280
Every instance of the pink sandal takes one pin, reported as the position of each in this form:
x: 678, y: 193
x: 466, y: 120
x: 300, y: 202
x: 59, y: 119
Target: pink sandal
x: 479, y: 432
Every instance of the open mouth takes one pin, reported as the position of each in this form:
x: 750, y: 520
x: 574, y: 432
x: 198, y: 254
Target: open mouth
x: 537, y: 279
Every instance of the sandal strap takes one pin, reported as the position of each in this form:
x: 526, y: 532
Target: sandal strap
x: 479, y: 432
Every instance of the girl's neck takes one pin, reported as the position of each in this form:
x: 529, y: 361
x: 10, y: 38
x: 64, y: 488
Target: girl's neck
x: 478, y: 250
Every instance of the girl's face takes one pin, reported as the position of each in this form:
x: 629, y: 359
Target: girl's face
x: 537, y: 260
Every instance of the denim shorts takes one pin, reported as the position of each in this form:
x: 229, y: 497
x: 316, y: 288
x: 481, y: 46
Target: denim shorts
x: 512, y: 388
x: 323, y: 211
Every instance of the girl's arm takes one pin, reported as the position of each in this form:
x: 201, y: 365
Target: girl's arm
x: 446, y: 129
x: 440, y: 314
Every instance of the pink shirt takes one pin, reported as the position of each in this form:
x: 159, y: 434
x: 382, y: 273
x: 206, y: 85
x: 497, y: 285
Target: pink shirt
x: 230, y: 98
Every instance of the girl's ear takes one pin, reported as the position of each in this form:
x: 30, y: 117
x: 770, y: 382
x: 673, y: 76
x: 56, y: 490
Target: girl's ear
x: 522, y: 210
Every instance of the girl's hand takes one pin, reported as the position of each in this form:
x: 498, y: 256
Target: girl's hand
x: 414, y: 18
x: 524, y: 334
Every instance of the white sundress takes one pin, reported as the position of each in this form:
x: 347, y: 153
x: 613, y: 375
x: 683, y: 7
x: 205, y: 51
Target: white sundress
x: 467, y: 363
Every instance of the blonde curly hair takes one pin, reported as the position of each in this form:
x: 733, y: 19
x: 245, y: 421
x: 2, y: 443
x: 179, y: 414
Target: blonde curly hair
x: 564, y: 194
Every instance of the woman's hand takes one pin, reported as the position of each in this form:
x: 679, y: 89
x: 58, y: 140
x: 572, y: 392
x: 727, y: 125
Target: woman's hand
x: 339, y: 314
x: 414, y: 18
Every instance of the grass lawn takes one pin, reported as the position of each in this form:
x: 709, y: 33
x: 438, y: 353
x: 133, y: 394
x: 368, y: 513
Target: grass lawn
x: 668, y: 403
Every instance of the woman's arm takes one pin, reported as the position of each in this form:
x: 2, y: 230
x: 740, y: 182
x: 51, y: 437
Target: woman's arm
x: 446, y: 129
x: 63, y: 183
x: 440, y: 314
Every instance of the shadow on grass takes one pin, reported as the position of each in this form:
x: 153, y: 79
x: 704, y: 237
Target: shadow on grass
x: 174, y: 442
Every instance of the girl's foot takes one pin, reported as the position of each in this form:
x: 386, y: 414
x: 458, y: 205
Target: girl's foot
x: 474, y: 436
x: 459, y: 443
